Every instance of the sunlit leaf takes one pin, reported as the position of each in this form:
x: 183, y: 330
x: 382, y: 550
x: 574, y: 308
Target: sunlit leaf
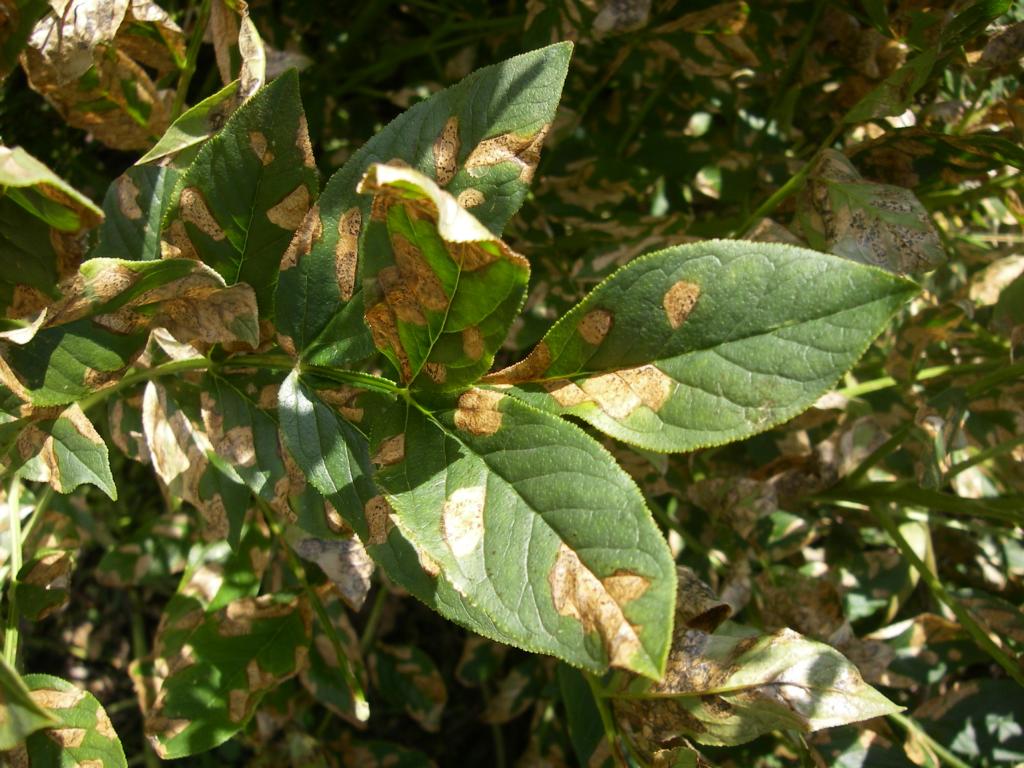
x: 479, y: 140
x: 703, y: 344
x: 23, y: 715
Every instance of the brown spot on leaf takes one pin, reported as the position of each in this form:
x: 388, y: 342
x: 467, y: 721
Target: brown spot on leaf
x: 238, y: 704
x: 472, y: 343
x: 347, y: 250
x: 462, y: 519
x: 67, y: 738
x: 177, y: 244
x: 238, y: 616
x: 303, y: 144
x: 195, y: 211
x: 436, y: 372
x: 381, y: 321
x: 578, y: 593
x: 624, y: 586
x: 595, y: 326
x: 478, y: 413
x: 128, y: 198
x: 400, y: 294
x: 566, y: 393
x: 306, y: 236
x: 524, y: 151
x: 289, y: 213
x: 391, y: 451
x: 418, y: 275
x: 49, y: 698
x: 103, y: 725
x: 619, y: 393
x: 679, y: 301
x: 533, y: 366
x: 470, y: 198
x: 258, y: 142
x: 378, y: 520
x: 446, y: 152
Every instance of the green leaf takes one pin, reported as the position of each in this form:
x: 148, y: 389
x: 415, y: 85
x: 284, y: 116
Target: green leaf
x: 708, y: 343
x: 195, y: 125
x: 894, y: 94
x: 41, y: 217
x: 440, y: 290
x: 878, y: 224
x: 23, y: 715
x: 247, y: 191
x: 723, y: 690
x: 334, y: 457
x: 480, y: 140
x: 43, y: 586
x: 978, y: 720
x: 43, y: 194
x: 66, y: 451
x: 84, y: 735
x: 535, y: 525
x: 322, y: 677
x: 134, y: 206
x: 972, y: 21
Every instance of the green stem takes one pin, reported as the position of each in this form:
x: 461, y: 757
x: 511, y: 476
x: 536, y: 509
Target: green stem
x: 373, y: 621
x: 41, y: 505
x: 350, y: 668
x: 1005, y: 509
x: 607, y: 721
x: 885, y: 382
x: 984, y: 455
x: 912, y: 727
x: 166, y: 369
x: 790, y: 187
x: 191, y: 55
x: 357, y: 378
x: 886, y: 448
x: 1003, y: 373
x: 939, y: 591
x: 14, y: 532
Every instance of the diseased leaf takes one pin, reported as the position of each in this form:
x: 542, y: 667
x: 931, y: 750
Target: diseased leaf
x: 89, y: 61
x: 134, y: 206
x: 44, y: 194
x: 877, y: 224
x: 894, y: 94
x: 978, y: 720
x: 516, y: 692
x: 184, y: 459
x: 491, y: 491
x: 84, y: 735
x: 44, y: 583
x: 151, y: 555
x: 247, y: 191
x: 231, y: 28
x: 343, y: 560
x: 194, y: 126
x: 440, y: 290
x: 722, y: 689
x: 408, y: 678
x: 704, y: 344
x: 23, y: 715
x: 479, y: 140
x: 65, y: 451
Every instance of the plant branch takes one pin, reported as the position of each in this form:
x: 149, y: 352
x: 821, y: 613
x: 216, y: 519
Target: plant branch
x: 939, y: 591
x: 607, y: 721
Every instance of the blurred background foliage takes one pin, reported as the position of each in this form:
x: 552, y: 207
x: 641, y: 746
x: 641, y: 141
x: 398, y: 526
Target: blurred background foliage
x: 885, y: 521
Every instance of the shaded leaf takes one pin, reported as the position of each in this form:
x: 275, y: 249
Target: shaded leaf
x: 408, y: 677
x: 584, y: 720
x: 20, y: 19
x: 894, y: 94
x: 978, y: 720
x: 479, y: 140
x: 703, y: 344
x: 248, y: 190
x: 440, y: 290
x: 323, y: 677
x: 151, y: 555
x: 84, y: 735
